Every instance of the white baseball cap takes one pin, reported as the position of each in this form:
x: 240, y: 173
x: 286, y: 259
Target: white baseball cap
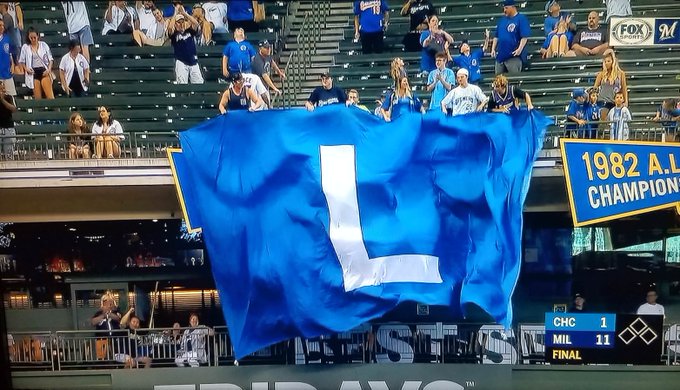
x: 462, y: 71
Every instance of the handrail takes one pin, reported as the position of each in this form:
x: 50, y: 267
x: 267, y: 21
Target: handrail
x: 437, y: 343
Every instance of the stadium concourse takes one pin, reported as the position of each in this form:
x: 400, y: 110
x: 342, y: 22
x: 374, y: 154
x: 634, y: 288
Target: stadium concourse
x: 137, y: 82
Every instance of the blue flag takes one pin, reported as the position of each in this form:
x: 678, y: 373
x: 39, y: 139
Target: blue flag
x: 318, y: 222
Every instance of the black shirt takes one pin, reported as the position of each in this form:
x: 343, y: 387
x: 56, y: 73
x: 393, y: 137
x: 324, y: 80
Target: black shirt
x: 184, y: 46
x: 321, y: 96
x: 419, y: 11
x: 6, y: 120
x: 262, y: 65
x: 112, y: 322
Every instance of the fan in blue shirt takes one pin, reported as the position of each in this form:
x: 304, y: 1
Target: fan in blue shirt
x: 512, y: 31
x: 237, y: 55
x: 240, y: 10
x: 576, y: 113
x: 371, y: 14
x: 471, y: 59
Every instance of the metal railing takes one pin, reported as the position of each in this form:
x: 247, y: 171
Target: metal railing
x: 436, y: 343
x: 35, y: 147
x: 64, y: 146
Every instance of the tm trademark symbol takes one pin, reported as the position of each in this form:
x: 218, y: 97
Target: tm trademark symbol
x: 469, y: 383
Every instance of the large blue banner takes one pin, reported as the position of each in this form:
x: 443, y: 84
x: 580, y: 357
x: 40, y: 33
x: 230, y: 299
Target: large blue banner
x: 318, y: 222
x: 608, y: 179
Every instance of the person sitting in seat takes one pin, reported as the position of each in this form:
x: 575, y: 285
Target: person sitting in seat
x: 205, y: 29
x: 120, y: 18
x: 139, y: 352
x: 193, y: 344
x: 108, y: 134
x: 156, y: 33
x: 78, y: 146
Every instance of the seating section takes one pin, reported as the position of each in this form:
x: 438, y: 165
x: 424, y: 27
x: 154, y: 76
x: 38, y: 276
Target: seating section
x: 137, y: 83
x: 653, y: 72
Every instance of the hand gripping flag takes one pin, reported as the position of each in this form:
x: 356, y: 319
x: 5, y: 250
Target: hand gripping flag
x: 318, y: 222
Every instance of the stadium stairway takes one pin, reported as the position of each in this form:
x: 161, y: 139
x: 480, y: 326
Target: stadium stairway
x: 136, y: 82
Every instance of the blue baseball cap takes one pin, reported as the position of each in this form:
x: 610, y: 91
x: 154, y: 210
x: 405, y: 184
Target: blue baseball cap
x: 508, y: 3
x: 578, y: 92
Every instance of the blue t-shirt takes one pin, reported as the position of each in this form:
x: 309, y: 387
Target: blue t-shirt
x: 184, y: 46
x: 427, y: 60
x: 577, y: 110
x: 439, y: 91
x: 371, y: 14
x: 169, y: 11
x: 509, y: 32
x: 401, y: 105
x: 593, y: 114
x: 471, y: 63
x: 551, y: 22
x: 240, y: 10
x: 240, y: 56
x: 5, y: 62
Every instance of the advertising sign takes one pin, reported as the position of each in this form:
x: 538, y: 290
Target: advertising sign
x: 608, y: 180
x: 634, y: 31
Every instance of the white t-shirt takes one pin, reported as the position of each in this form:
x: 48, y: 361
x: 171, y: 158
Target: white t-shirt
x: 255, y: 83
x: 146, y: 19
x: 216, y: 13
x: 67, y: 64
x: 76, y: 15
x: 656, y: 309
x: 114, y: 128
x: 117, y: 17
x: 464, y: 100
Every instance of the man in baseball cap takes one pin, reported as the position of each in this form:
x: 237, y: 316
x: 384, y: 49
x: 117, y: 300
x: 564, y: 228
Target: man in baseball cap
x: 465, y: 98
x: 325, y: 94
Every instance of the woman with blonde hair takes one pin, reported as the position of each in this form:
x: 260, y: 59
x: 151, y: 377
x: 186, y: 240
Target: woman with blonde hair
x: 397, y: 70
x: 610, y: 80
x: 401, y: 100
x: 78, y: 146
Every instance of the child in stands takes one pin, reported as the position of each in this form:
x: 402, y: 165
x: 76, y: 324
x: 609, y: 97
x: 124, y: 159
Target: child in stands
x: 618, y: 118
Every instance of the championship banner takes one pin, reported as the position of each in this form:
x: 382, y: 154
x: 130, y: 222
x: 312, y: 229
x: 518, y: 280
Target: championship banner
x: 608, y: 180
x: 634, y: 31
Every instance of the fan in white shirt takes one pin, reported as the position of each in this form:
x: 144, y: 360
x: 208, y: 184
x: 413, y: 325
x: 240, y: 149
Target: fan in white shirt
x: 465, y: 98
x: 120, y: 18
x: 74, y: 63
x: 216, y: 13
x: 145, y: 15
x: 254, y: 82
x: 651, y: 307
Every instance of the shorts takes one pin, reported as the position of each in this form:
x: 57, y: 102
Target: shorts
x: 84, y: 36
x: 10, y: 87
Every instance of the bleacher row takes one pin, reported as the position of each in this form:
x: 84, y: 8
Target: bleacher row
x: 137, y: 83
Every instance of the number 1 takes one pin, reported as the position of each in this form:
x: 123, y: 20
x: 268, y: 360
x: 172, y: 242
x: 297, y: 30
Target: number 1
x: 603, y: 322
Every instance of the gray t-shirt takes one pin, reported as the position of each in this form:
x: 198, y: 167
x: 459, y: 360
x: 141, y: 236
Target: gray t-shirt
x: 591, y: 38
x: 262, y: 65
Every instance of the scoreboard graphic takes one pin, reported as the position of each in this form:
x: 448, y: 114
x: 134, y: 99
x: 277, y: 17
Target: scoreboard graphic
x: 602, y: 338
